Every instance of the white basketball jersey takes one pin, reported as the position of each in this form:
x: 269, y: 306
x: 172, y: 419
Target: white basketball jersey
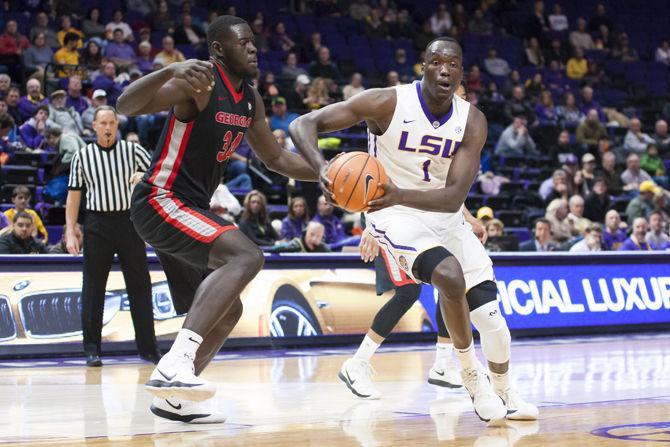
x: 417, y: 148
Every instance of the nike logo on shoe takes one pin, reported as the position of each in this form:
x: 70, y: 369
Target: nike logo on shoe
x: 439, y: 373
x: 177, y: 407
x: 349, y: 378
x: 166, y: 376
x: 408, y: 121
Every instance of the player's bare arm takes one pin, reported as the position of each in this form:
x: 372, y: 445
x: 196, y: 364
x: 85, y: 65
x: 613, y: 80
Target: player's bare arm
x: 375, y: 106
x: 462, y: 172
x: 271, y: 154
x: 184, y: 85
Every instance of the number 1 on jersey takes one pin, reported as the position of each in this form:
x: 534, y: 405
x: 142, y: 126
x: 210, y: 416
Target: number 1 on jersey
x: 426, y: 176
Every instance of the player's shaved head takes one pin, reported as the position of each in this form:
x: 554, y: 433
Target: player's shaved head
x: 221, y: 26
x: 441, y: 44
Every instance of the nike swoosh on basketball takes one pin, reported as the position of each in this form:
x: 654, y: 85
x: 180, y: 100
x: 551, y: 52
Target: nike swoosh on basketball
x: 407, y: 122
x: 178, y: 407
x: 368, y: 178
x: 166, y: 376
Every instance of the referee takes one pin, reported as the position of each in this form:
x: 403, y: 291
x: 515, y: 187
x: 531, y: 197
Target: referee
x: 107, y: 168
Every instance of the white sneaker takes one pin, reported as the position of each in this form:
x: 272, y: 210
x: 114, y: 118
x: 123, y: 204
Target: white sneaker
x: 488, y: 405
x: 357, y: 375
x: 174, y: 377
x: 517, y: 408
x: 444, y: 373
x: 185, y: 411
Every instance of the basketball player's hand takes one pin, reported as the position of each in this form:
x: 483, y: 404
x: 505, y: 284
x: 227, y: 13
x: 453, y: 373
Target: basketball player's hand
x: 368, y: 247
x: 479, y: 230
x: 392, y: 196
x: 196, y: 72
x: 136, y: 177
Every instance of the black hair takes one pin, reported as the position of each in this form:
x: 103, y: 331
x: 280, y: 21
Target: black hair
x: 444, y: 39
x: 117, y: 30
x: 220, y: 25
x: 6, y: 121
x: 42, y: 107
x: 70, y: 37
x: 21, y: 215
x: 21, y: 190
x: 53, y: 132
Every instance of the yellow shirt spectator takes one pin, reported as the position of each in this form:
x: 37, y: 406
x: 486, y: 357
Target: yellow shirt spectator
x: 61, y: 36
x: 39, y: 226
x: 577, y: 68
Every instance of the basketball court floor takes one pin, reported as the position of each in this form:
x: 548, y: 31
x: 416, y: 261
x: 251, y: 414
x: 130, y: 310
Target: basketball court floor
x: 592, y: 391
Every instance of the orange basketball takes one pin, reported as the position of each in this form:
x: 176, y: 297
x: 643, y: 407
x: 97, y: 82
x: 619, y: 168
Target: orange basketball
x: 354, y: 178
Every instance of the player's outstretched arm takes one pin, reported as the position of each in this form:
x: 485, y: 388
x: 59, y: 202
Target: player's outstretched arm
x: 189, y: 82
x: 462, y: 173
x: 265, y: 145
x: 371, y: 105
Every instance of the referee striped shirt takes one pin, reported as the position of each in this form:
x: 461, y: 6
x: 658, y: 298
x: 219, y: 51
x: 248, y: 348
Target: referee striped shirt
x: 106, y: 174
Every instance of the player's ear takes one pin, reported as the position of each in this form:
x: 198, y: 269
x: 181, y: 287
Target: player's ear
x: 216, y: 49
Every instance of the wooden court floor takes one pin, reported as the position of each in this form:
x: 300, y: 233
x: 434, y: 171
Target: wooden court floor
x: 612, y: 391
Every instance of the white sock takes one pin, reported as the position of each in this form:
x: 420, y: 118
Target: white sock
x: 467, y: 357
x: 366, y: 350
x: 500, y: 381
x: 186, y: 341
x: 443, y: 351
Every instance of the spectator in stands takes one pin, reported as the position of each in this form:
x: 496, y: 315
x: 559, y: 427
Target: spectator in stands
x: 66, y: 27
x: 496, y: 66
x: 254, y: 222
x: 66, y: 117
x: 405, y: 67
x: 5, y: 225
x: 599, y: 19
x: 580, y: 38
x: 518, y: 106
x: 662, y: 138
x: 546, y: 111
x: 592, y: 241
x: 557, y: 20
x: 663, y: 52
x: 577, y: 65
x: 296, y: 220
x: 614, y: 234
x: 260, y: 36
x: 587, y: 102
x: 555, y: 187
x: 268, y: 88
x: 656, y: 235
x: 33, y: 130
x: 404, y: 27
x: 576, y: 218
x: 98, y: 99
x: 107, y: 81
x: 556, y: 52
x: 34, y: 98
x: 635, y: 140
x: 557, y: 214
x: 5, y: 83
x: 21, y: 200
x: 638, y: 238
x: 168, y: 53
x: 569, y: 114
x: 534, y: 87
x: 512, y: 81
x: 119, y: 51
x: 281, y: 118
x: 91, y: 25
x: 317, y: 95
x: 423, y: 37
x: 295, y: 98
x: 326, y: 217
x: 643, y: 204
x: 494, y: 228
x: 597, y: 202
x: 492, y: 95
x: 13, y: 97
x: 291, y: 70
x: 359, y: 9
x: 537, y: 24
x: 541, y: 240
x: 20, y: 241
x: 440, y: 21
x: 309, y: 241
x: 611, y: 173
x: 590, y: 130
x: 354, y: 87
x: 280, y: 40
x: 623, y: 51
x: 116, y: 23
x: 588, y: 172
x: 42, y: 26
x: 479, y: 25
x: 633, y: 176
x: 323, y: 67
x: 534, y: 54
x: 392, y: 79
x: 12, y: 46
x: 653, y: 164
x: 91, y: 56
x: 37, y: 56
x: 374, y: 26
x: 75, y: 99
x: 484, y: 214
x: 67, y: 144
x: 562, y: 146
x: 515, y: 141
x: 144, y: 60
x: 67, y: 54
x: 596, y: 76
x: 163, y: 20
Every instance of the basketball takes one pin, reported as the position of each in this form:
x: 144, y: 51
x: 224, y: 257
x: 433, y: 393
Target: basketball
x: 354, y: 180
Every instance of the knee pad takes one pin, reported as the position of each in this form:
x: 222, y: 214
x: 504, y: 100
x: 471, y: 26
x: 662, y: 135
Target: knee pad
x: 425, y: 263
x: 493, y: 332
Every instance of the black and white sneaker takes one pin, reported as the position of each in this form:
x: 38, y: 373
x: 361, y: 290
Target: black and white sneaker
x: 184, y: 411
x: 174, y: 377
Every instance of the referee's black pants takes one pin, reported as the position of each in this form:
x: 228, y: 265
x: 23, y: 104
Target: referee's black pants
x: 106, y: 234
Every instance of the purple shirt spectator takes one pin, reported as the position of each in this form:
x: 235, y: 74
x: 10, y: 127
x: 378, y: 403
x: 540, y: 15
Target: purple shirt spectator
x: 614, y: 241
x: 121, y: 51
x: 144, y: 65
x: 334, y: 229
x: 112, y: 88
x: 28, y: 106
x: 4, y: 222
x: 630, y: 245
x: 291, y: 228
x: 79, y: 104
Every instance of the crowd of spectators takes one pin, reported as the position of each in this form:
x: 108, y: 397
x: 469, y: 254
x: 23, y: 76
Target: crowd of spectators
x: 570, y: 138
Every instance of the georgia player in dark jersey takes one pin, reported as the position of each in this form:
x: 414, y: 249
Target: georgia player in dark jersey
x: 211, y: 109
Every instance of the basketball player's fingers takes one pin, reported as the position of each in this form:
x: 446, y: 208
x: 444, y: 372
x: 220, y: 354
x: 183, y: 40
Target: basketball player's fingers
x: 201, y: 79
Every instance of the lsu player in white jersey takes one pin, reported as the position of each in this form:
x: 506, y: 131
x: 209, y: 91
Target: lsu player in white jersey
x: 429, y: 142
